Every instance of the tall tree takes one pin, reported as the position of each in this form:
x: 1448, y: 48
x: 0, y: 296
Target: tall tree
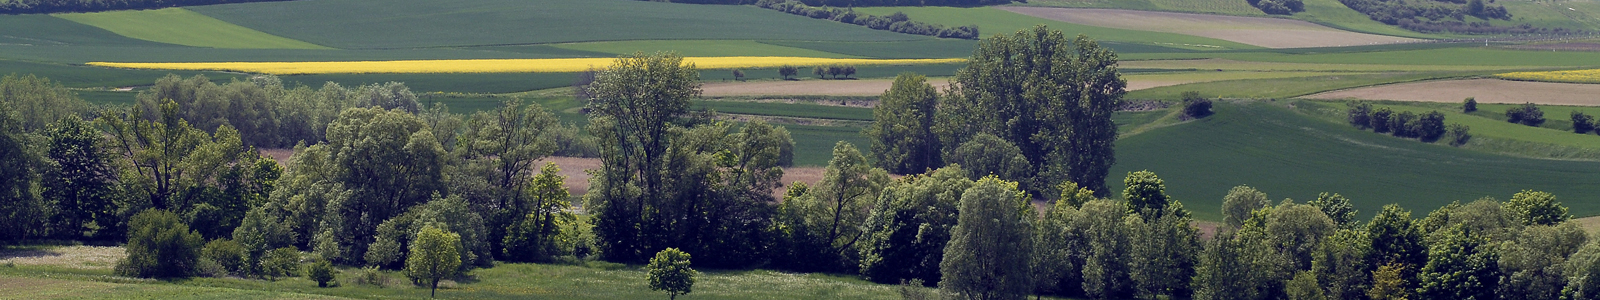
x: 987, y: 257
x: 80, y: 181
x: 1060, y: 248
x: 1341, y: 264
x: 1533, y: 266
x: 902, y: 129
x: 836, y: 207
x: 909, y: 226
x: 1164, y: 253
x: 388, y: 161
x: 1050, y: 96
x: 1105, y: 267
x: 635, y: 104
x: 1397, y: 242
x: 20, y: 163
x: 1146, y: 194
x: 1337, y: 208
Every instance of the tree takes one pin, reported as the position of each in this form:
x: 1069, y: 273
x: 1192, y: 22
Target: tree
x: 1240, y: 202
x: 987, y: 257
x: 1105, y: 267
x: 1296, y: 230
x: 1341, y: 266
x: 1359, y: 113
x: 1396, y: 241
x: 670, y: 272
x: 534, y: 237
x: 1389, y: 283
x: 1337, y: 208
x: 1463, y: 265
x: 168, y: 161
x: 1164, y: 253
x: 499, y: 149
x: 1582, y: 123
x: 1582, y: 270
x: 987, y: 155
x: 1304, y: 286
x: 1527, y: 114
x: 1195, y: 106
x: 435, y: 255
x: 902, y: 129
x: 281, y: 262
x: 1145, y: 194
x: 1458, y: 134
x: 1429, y: 127
x: 159, y: 246
x: 1402, y: 124
x: 37, y: 101
x: 788, y: 71
x: 738, y: 75
x: 1379, y: 121
x: 1233, y: 267
x: 228, y: 254
x: 1060, y: 248
x: 1050, y: 96
x: 1537, y: 208
x: 322, y: 272
x: 1533, y: 265
x: 80, y: 181
x: 906, y: 233
x: 1469, y: 105
x: 819, y: 71
x: 636, y: 102
x: 848, y: 71
x: 21, y: 209
x: 836, y: 207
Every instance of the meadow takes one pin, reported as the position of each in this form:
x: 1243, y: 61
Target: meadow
x: 183, y: 27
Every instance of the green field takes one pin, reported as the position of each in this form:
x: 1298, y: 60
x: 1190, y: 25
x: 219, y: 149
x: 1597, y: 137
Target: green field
x: 1225, y: 7
x: 698, y: 48
x: 993, y: 21
x: 798, y: 110
x: 1278, y: 88
x: 1292, y: 155
x: 421, y: 23
x: 183, y: 27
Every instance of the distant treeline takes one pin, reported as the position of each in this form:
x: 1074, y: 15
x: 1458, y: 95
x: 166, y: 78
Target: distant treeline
x: 1443, y: 16
x: 898, y: 22
x: 61, y: 6
x: 860, y: 3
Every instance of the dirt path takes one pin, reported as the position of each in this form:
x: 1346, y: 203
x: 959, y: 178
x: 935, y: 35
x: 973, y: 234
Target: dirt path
x: 1264, y: 32
x: 1484, y: 90
x: 862, y: 87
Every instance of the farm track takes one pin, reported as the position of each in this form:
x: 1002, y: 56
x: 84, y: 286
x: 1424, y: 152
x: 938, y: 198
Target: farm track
x: 1264, y: 32
x: 1484, y: 90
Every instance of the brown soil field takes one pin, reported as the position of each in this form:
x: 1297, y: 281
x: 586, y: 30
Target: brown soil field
x: 1264, y: 32
x: 865, y: 87
x: 1484, y: 90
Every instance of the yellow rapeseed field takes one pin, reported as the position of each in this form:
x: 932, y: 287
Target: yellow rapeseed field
x: 552, y: 65
x: 1576, y: 76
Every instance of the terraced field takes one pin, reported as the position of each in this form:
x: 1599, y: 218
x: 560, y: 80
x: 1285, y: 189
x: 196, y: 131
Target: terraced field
x: 1258, y: 31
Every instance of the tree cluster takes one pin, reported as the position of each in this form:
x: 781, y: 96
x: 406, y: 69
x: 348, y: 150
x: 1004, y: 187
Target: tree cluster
x: 898, y: 22
x: 1443, y: 16
x: 1428, y: 127
x: 1279, y: 7
x: 49, y: 6
x: 832, y: 71
x: 1527, y: 114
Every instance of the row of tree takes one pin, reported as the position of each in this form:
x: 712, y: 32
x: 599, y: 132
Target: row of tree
x: 1428, y: 127
x: 1278, y: 7
x: 897, y: 22
x: 59, y: 6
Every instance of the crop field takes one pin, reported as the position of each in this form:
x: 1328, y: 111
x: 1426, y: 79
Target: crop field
x: 45, y: 30
x: 1484, y: 90
x: 1266, y: 66
x: 422, y: 23
x: 183, y: 27
x: 1226, y: 7
x: 1574, y: 76
x: 1258, y: 31
x: 90, y: 77
x: 939, y: 48
x: 799, y: 110
x: 1452, y: 57
x: 552, y: 65
x: 993, y: 21
x: 701, y: 48
x: 1289, y: 155
x: 1280, y: 88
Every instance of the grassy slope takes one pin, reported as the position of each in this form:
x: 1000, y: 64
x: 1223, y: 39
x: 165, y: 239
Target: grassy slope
x: 1287, y: 154
x: 45, y: 30
x: 421, y: 23
x: 1225, y: 7
x: 183, y: 27
x: 993, y: 21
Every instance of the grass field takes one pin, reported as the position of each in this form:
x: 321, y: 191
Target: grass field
x: 1293, y: 155
x: 705, y: 48
x: 1257, y: 31
x: 1279, y: 88
x: 88, y: 77
x: 1484, y: 90
x: 422, y: 23
x: 550, y: 65
x: 1454, y: 56
x: 940, y: 48
x: 45, y: 30
x: 1226, y: 7
x: 993, y: 21
x: 183, y: 27
x: 798, y: 110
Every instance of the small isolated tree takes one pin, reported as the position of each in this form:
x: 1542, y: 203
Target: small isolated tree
x: 322, y: 272
x: 738, y: 75
x: 435, y: 255
x: 988, y: 253
x: 1429, y: 127
x: 788, y: 71
x: 159, y: 246
x: 1196, y: 106
x: 1469, y: 105
x: 1582, y: 123
x: 1458, y: 134
x: 669, y: 271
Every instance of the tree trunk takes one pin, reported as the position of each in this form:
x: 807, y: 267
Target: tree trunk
x: 434, y: 289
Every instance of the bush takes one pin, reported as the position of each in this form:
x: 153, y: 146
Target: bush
x: 1379, y: 121
x: 370, y: 276
x: 1469, y: 105
x: 281, y: 262
x: 1430, y: 126
x: 1527, y: 114
x: 1582, y: 123
x: 322, y: 272
x: 227, y: 254
x: 1196, y: 106
x: 1458, y: 134
x: 159, y: 246
x: 1359, y: 114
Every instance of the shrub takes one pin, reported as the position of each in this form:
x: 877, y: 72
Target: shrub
x: 281, y: 262
x: 1458, y: 135
x: 227, y: 254
x: 159, y: 246
x: 1196, y: 106
x: 1582, y: 123
x: 370, y: 276
x: 1402, y: 124
x: 322, y: 272
x: 1469, y: 105
x: 1379, y: 121
x: 1527, y: 114
x: 1359, y: 114
x: 1430, y: 126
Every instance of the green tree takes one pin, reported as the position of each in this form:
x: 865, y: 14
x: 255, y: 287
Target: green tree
x: 902, y: 131
x: 1337, y: 208
x: 1359, y: 114
x: 21, y: 209
x: 1397, y: 241
x: 987, y: 155
x: 37, y: 101
x: 1527, y: 114
x: 1051, y: 96
x: 1533, y: 265
x: 1582, y: 270
x: 1380, y: 120
x: 1389, y: 283
x: 1469, y: 105
x: 1304, y: 286
x: 836, y: 207
x: 788, y: 71
x: 387, y: 161
x: 1195, y: 106
x: 167, y: 162
x: 1582, y: 123
x: 1060, y: 248
x: 1462, y: 265
x: 281, y: 262
x: 1164, y: 253
x: 1234, y: 267
x: 228, y: 254
x: 1145, y: 194
x: 322, y: 272
x: 1073, y: 195
x: 499, y: 149
x: 669, y: 271
x: 435, y: 255
x: 80, y: 181
x: 1105, y: 266
x: 636, y: 102
x: 159, y: 246
x: 1537, y: 208
x: 1340, y: 264
x: 450, y: 214
x: 1296, y: 230
x: 534, y: 237
x: 1240, y: 202
x: 909, y: 226
x: 1458, y: 134
x: 987, y: 257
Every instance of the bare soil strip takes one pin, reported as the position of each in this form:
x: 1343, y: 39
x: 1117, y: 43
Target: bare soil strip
x: 1484, y: 90
x: 1264, y: 32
